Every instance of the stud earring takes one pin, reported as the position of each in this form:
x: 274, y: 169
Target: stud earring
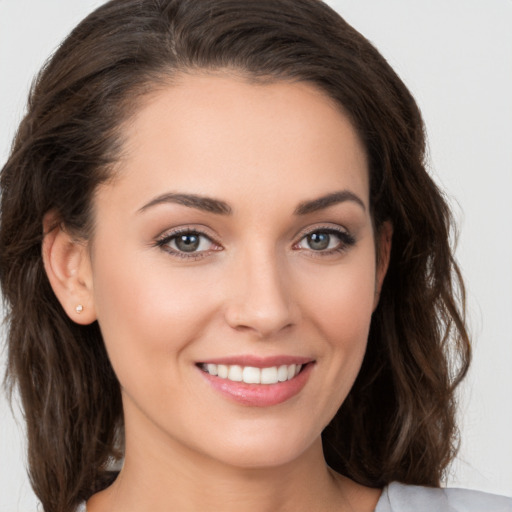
x: 79, y: 308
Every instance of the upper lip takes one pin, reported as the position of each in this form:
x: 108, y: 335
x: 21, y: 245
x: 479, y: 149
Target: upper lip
x: 258, y: 361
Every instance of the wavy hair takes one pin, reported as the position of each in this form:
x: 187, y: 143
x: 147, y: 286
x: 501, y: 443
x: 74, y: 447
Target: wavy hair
x: 397, y: 423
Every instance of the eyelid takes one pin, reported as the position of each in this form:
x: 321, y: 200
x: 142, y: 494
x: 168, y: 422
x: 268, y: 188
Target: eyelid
x: 322, y: 227
x: 186, y: 228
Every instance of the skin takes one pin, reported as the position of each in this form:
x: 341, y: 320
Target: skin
x: 256, y: 286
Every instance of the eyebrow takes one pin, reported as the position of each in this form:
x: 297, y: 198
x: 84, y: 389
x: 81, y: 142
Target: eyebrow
x: 219, y: 207
x: 320, y: 203
x: 206, y: 204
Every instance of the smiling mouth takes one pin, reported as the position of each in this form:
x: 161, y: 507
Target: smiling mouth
x: 252, y: 375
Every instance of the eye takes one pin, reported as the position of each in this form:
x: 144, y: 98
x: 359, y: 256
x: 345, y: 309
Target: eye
x: 190, y: 242
x: 326, y: 240
x: 187, y: 243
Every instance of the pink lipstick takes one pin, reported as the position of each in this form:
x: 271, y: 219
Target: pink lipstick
x: 256, y: 381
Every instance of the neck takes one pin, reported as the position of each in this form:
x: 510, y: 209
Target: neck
x: 162, y: 475
x: 178, y: 483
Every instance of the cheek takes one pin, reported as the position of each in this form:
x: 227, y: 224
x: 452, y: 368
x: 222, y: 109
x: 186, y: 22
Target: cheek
x: 148, y: 316
x: 340, y: 308
x: 341, y: 302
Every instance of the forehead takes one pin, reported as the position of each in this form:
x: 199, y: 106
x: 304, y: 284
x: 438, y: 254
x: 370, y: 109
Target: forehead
x: 221, y: 135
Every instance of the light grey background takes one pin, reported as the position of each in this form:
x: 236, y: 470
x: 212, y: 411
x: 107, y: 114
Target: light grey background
x: 456, y: 57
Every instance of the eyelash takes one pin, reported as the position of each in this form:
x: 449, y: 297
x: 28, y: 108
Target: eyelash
x: 345, y: 238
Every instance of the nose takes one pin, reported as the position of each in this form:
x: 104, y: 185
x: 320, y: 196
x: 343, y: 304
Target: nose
x: 260, y: 296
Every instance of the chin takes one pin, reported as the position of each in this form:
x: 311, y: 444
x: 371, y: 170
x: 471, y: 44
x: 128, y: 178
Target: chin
x: 272, y: 448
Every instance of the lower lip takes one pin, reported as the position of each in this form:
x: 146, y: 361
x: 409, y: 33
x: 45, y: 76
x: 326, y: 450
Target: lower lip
x: 259, y: 395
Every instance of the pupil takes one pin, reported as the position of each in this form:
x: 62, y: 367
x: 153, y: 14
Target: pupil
x: 187, y: 243
x: 318, y: 241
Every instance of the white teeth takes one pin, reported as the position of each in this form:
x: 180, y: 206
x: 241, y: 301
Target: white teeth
x: 282, y: 373
x: 222, y: 371
x: 212, y: 369
x: 252, y: 375
x: 235, y: 373
x: 269, y: 375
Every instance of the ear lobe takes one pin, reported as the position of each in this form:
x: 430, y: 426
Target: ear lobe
x: 68, y: 267
x: 385, y: 236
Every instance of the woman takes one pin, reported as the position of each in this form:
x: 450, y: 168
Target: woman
x: 226, y: 265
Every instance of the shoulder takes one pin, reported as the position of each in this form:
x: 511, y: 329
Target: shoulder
x: 398, y: 497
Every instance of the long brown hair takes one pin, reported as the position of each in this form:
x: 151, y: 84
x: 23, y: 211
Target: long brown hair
x: 398, y: 420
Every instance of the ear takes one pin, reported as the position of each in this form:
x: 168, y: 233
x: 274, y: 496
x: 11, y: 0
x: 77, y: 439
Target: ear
x: 68, y: 267
x: 384, y: 239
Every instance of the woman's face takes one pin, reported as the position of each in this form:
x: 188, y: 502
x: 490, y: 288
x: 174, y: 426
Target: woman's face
x: 235, y: 243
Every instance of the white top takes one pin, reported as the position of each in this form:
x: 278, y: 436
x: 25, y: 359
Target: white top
x: 398, y: 497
